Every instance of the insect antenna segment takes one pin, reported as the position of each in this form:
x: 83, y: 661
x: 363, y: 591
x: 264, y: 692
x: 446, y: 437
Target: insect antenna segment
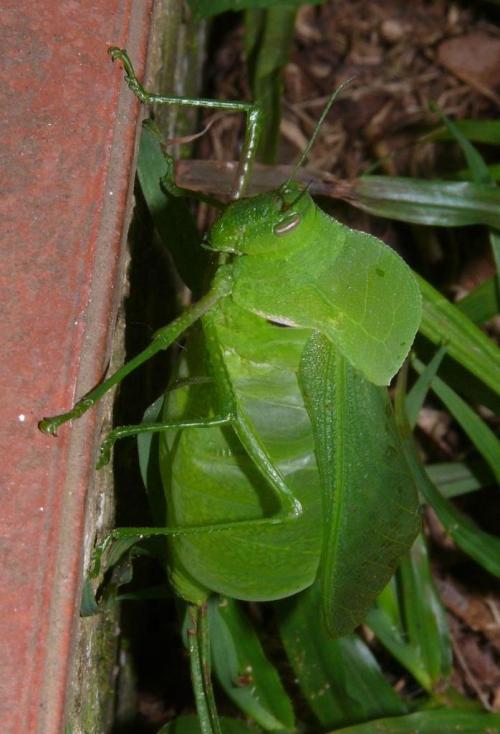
x: 316, y: 130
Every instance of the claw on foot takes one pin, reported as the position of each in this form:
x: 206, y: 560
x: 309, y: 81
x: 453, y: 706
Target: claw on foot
x: 48, y: 426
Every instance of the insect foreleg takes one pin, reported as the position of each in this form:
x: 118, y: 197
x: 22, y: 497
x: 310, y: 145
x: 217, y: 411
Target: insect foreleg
x: 252, y: 111
x: 162, y: 339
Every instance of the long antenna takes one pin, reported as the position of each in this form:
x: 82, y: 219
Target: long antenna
x: 315, y: 134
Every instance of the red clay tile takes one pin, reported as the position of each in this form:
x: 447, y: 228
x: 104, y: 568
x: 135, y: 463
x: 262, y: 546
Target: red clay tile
x: 68, y: 136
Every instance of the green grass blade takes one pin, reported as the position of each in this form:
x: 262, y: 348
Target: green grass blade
x: 465, y: 174
x: 425, y: 620
x: 482, y: 303
x: 479, y: 433
x: 268, y: 39
x: 495, y: 248
x: 438, y: 203
x: 439, y: 721
x: 475, y: 161
x: 483, y: 547
x: 442, y: 322
x: 242, y: 669
x: 480, y: 174
x: 386, y: 620
x: 479, y: 131
x: 455, y: 478
x: 416, y: 396
x: 206, y: 8
x: 409, y: 620
x: 340, y: 679
x: 469, y: 386
x: 393, y: 640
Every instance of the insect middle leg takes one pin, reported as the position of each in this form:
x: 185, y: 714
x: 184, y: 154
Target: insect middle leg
x: 162, y: 339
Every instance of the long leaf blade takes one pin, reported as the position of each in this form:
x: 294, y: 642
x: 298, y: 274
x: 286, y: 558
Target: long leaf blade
x: 482, y: 546
x: 482, y: 303
x: 475, y: 161
x: 444, y: 322
x: 425, y: 619
x: 416, y: 396
x: 244, y: 672
x: 479, y: 131
x: 268, y: 38
x: 479, y: 433
x: 207, y: 8
x: 438, y: 203
x: 171, y: 216
x: 456, y: 478
x: 340, y: 679
x: 441, y: 721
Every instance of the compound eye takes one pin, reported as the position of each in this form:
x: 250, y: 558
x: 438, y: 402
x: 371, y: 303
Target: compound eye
x: 286, y: 225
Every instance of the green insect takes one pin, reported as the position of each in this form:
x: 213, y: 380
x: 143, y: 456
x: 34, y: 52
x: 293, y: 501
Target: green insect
x: 278, y: 453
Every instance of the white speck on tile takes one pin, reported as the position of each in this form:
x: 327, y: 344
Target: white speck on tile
x: 21, y: 417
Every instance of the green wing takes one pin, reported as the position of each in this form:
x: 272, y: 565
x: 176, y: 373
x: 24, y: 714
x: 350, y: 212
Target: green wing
x: 370, y: 512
